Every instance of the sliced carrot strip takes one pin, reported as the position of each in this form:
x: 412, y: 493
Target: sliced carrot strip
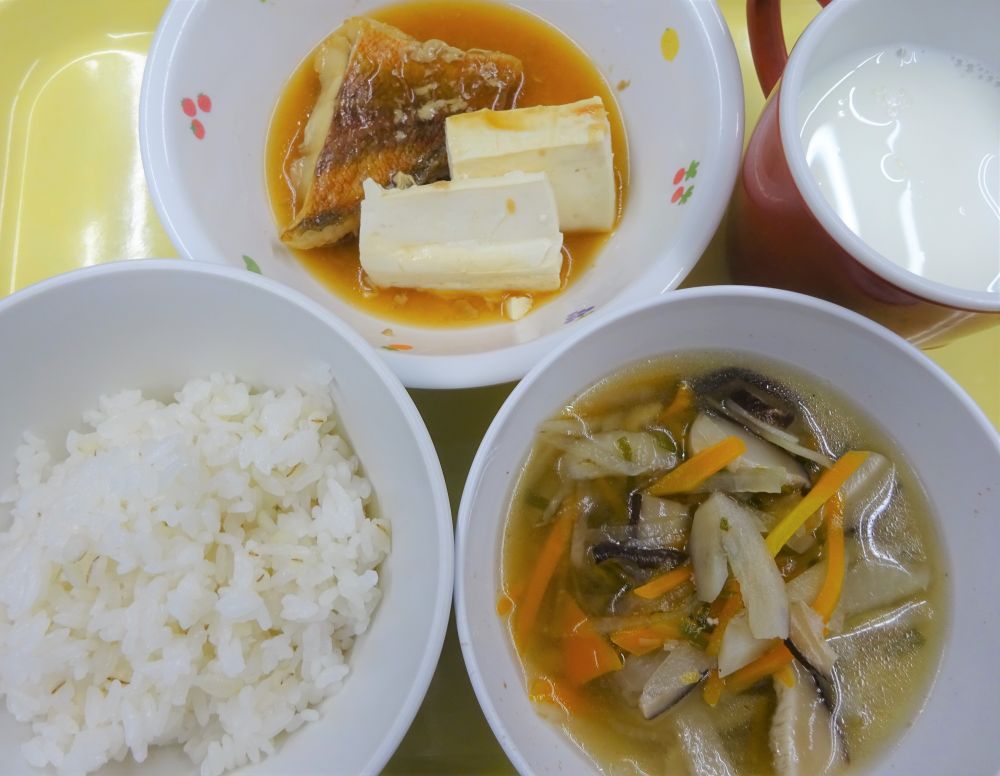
x: 714, y: 685
x: 639, y: 641
x: 833, y: 582
x: 683, y: 400
x: 642, y: 620
x: 825, y: 488
x: 568, y: 616
x: 732, y: 606
x: 545, y: 689
x: 664, y: 583
x: 731, y: 587
x: 588, y: 656
x: 505, y: 605
x: 552, y: 552
x: 699, y: 467
x: 771, y: 661
x: 586, y: 653
x: 785, y: 675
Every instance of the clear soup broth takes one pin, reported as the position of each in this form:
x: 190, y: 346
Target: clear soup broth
x: 622, y: 623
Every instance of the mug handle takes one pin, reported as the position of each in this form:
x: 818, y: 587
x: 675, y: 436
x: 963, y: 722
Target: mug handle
x: 767, y: 41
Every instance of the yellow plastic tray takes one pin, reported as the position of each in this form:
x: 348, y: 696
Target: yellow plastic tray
x: 72, y: 193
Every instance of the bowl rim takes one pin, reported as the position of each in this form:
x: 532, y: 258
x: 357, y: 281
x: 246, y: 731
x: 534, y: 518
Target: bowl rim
x: 513, y: 401
x: 443, y: 526
x: 511, y: 362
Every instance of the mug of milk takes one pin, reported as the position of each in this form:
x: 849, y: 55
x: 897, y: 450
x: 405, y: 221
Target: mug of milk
x: 873, y: 176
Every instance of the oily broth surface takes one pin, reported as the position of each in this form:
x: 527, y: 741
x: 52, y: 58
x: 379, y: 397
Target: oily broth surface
x: 556, y: 72
x: 891, y: 683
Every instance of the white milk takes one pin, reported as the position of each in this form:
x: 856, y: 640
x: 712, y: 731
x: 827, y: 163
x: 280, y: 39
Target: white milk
x: 904, y: 143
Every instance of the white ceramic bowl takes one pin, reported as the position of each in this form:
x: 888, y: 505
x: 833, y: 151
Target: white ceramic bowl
x: 950, y: 444
x: 210, y: 192
x: 155, y: 324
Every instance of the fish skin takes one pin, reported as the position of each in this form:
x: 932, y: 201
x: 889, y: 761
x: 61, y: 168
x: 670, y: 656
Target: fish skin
x: 389, y: 118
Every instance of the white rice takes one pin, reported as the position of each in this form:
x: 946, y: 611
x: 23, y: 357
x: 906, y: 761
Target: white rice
x: 191, y: 573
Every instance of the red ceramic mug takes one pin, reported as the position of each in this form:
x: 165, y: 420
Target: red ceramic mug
x: 783, y: 232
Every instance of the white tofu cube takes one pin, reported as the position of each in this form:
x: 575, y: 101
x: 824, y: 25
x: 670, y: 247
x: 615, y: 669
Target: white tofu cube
x: 569, y: 143
x: 478, y: 235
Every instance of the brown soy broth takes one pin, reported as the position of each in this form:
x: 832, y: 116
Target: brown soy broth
x: 887, y: 672
x: 556, y: 71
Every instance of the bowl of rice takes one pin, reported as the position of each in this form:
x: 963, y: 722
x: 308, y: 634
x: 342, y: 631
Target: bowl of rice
x: 225, y: 538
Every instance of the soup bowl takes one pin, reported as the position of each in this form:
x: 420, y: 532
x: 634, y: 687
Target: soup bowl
x: 154, y: 325
x: 947, y: 441
x: 217, y: 69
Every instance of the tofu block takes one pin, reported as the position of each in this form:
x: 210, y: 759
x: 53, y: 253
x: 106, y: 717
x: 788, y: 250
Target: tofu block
x: 569, y: 143
x: 478, y: 235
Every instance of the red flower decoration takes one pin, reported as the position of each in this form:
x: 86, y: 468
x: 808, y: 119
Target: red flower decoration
x: 204, y: 103
x: 198, y: 129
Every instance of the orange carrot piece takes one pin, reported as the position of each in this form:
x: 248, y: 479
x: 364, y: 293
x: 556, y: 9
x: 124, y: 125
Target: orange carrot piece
x: 664, y: 583
x: 826, y: 487
x: 546, y: 689
x: 683, y: 400
x: 732, y: 607
x: 586, y: 653
x: 505, y: 605
x: 699, y: 467
x: 771, y: 661
x: 785, y: 675
x: 640, y: 641
x: 588, y: 656
x: 829, y: 593
x: 731, y: 587
x: 814, y: 521
x: 712, y: 690
x: 569, y: 617
x: 553, y: 550
x: 643, y: 619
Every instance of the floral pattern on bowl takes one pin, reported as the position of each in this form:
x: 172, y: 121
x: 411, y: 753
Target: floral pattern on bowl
x: 215, y: 206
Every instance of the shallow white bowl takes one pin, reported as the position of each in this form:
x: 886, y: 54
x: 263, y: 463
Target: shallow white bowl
x: 950, y: 444
x: 155, y: 324
x: 210, y: 193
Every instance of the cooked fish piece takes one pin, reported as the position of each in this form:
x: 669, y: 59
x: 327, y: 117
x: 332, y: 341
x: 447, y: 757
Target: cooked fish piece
x: 380, y: 114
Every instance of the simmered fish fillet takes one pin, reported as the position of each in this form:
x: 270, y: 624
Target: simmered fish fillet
x: 380, y: 114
